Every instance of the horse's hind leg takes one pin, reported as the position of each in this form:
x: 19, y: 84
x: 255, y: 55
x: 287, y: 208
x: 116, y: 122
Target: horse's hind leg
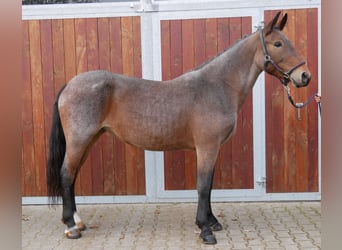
x: 75, y: 156
x: 205, y: 219
x: 68, y: 175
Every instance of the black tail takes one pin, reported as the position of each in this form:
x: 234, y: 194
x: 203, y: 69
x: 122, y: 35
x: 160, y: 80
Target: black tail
x: 56, y: 155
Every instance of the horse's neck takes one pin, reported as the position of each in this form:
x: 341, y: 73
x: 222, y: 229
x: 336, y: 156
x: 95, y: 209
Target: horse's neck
x: 236, y: 69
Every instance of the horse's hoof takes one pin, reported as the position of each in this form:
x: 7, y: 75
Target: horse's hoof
x: 73, y: 233
x: 216, y: 227
x: 209, y: 239
x: 81, y: 226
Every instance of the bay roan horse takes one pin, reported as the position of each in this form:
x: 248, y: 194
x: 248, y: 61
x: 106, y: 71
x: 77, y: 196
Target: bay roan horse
x: 195, y: 111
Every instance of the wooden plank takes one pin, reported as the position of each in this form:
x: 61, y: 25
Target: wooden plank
x: 116, y: 66
x: 120, y: 168
x: 93, y: 64
x: 107, y: 139
x: 28, y: 157
x: 290, y: 118
x: 131, y: 172
x: 140, y: 166
x: 222, y: 176
x: 177, y: 165
x: 108, y: 164
x: 103, y: 43
x: 210, y: 38
x: 278, y: 161
x: 127, y: 45
x: 247, y: 166
x: 58, y: 53
x: 166, y: 75
x: 165, y: 49
x: 224, y: 163
x: 312, y: 59
x: 84, y: 184
x: 275, y: 130
x: 81, y: 45
x: 48, y: 83
x: 137, y: 47
x: 115, y: 45
x: 92, y: 44
x: 69, y: 48
x: 301, y: 128
x: 37, y: 105
x: 222, y: 34
x: 199, y: 41
x: 128, y: 69
x: 188, y: 52
x: 237, y: 140
x: 176, y: 48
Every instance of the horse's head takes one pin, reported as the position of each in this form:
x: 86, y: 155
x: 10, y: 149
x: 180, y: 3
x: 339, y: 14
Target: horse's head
x: 280, y: 57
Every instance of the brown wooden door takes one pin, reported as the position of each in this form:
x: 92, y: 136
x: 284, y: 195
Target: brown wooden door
x: 185, y: 45
x: 53, y: 52
x: 292, y: 142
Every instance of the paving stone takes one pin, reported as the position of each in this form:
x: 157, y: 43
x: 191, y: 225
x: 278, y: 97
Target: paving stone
x: 292, y: 225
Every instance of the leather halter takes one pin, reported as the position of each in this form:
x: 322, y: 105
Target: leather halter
x: 267, y: 59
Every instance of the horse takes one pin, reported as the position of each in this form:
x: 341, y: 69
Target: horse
x: 195, y: 111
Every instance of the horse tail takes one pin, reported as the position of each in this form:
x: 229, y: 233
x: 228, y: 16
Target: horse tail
x: 57, y: 148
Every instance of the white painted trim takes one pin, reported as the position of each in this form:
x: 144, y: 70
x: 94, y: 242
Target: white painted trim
x: 181, y: 5
x: 240, y: 195
x: 114, y: 9
x: 84, y: 10
x: 98, y: 199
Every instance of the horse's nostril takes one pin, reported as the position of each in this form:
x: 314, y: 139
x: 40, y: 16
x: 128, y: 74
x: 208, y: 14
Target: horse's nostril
x: 306, y: 77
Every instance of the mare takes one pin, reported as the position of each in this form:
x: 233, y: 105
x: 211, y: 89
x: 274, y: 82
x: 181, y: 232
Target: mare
x: 195, y: 111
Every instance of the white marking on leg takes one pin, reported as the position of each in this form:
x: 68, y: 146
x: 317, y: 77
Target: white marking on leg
x: 70, y: 229
x: 80, y: 225
x: 77, y: 218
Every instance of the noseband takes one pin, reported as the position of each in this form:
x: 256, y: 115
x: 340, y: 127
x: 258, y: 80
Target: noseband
x: 267, y: 59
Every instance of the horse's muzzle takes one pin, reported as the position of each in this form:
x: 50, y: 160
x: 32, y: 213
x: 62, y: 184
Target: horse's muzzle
x: 302, y: 79
x: 306, y: 77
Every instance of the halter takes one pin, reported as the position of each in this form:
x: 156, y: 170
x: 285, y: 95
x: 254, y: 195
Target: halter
x: 267, y: 59
x: 286, y: 75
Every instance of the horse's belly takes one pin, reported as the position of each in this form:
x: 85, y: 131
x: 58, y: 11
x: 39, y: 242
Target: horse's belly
x: 154, y: 137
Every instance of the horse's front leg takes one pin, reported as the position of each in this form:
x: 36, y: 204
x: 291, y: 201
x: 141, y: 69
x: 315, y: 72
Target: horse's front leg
x: 205, y: 219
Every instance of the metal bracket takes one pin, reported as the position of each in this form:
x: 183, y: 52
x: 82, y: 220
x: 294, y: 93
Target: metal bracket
x: 146, y: 6
x: 299, y: 104
x: 262, y: 181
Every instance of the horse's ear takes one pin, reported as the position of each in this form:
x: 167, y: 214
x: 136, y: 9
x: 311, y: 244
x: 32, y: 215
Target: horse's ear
x: 269, y: 27
x: 283, y: 22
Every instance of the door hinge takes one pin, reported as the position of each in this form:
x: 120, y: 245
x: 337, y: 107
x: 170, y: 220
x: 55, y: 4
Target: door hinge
x: 262, y: 181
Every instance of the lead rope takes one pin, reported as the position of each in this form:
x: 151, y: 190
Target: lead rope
x: 301, y: 105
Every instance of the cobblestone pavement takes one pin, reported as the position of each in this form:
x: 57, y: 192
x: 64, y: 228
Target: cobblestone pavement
x: 288, y: 225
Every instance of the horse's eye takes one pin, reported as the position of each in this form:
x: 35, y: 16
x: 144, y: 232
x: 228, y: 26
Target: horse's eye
x: 278, y: 44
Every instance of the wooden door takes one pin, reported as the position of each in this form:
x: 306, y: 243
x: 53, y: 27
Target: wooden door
x: 187, y: 44
x: 292, y: 141
x: 53, y: 52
